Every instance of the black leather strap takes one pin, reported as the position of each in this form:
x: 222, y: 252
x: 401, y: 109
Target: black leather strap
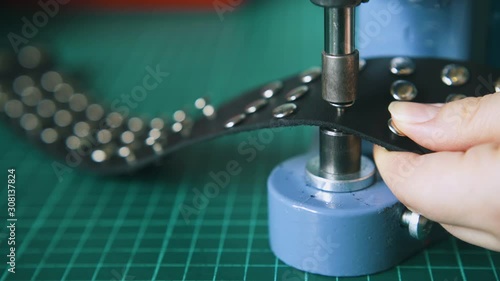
x: 367, y: 118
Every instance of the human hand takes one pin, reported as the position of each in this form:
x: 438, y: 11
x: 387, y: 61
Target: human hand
x: 458, y: 186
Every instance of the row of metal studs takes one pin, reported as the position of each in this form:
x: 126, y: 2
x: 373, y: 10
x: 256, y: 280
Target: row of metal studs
x: 403, y: 90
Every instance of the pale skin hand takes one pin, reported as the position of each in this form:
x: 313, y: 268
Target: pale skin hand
x: 458, y: 186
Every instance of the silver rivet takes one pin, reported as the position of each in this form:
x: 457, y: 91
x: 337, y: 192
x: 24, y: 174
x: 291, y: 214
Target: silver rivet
x: 94, y: 112
x: 73, y: 142
x: 63, y: 92
x: 402, y: 66
x: 154, y: 134
x: 29, y: 122
x: 135, y: 124
x: 29, y: 57
x: 155, y: 145
x: 177, y: 127
x: 200, y: 103
x: 22, y: 82
x: 271, y: 89
x: 78, y: 102
x: 14, y: 108
x: 455, y: 75
x: 104, y: 136
x: 126, y: 153
x: 455, y: 97
x: 403, y: 90
x: 497, y: 85
x: 362, y: 64
x: 127, y: 137
x: 394, y: 129
x: 310, y: 75
x: 99, y: 156
x: 31, y: 96
x: 234, y: 121
x: 284, y: 110
x: 63, y: 118
x: 255, y: 106
x: 49, y: 136
x: 114, y: 120
x: 81, y: 129
x: 209, y: 111
x: 297, y: 93
x: 46, y: 108
x: 180, y: 116
x: 50, y: 80
x: 157, y: 123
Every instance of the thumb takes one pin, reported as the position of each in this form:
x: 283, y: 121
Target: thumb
x: 456, y: 126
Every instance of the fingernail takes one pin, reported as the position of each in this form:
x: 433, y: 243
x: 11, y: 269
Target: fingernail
x: 411, y: 112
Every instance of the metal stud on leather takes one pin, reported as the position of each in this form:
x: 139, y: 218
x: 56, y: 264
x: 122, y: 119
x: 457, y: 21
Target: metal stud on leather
x: 36, y: 100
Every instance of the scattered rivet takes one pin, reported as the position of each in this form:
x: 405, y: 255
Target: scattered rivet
x: 200, y: 103
x: 126, y: 153
x: 154, y: 134
x: 235, y: 120
x: 63, y: 92
x: 49, y: 136
x: 104, y: 136
x: 29, y: 57
x: 271, y: 89
x: 255, y: 106
x: 177, y: 127
x: 455, y: 97
x: 94, y: 112
x: 455, y: 75
x: 73, y: 142
x: 63, y: 118
x: 209, y: 111
x: 127, y: 137
x: 46, y: 108
x: 394, y: 129
x: 284, y: 110
x: 14, y: 108
x: 402, y: 66
x: 362, y: 64
x: 29, y: 122
x: 157, y: 123
x: 403, y: 90
x: 99, y: 156
x: 78, y: 102
x: 31, y: 96
x: 50, y: 80
x: 114, y: 120
x: 310, y: 75
x: 22, y: 82
x: 156, y: 146
x: 135, y: 124
x: 297, y: 93
x: 81, y: 129
x: 180, y: 116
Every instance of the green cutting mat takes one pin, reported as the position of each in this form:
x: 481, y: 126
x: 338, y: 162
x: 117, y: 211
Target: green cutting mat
x: 87, y: 227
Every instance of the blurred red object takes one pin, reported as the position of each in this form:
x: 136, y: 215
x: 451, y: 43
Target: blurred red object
x: 131, y: 4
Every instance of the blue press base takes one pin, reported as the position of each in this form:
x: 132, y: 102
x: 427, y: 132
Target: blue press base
x: 336, y: 234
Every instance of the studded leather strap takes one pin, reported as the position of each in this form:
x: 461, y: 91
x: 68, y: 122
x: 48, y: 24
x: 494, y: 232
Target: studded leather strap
x: 296, y: 100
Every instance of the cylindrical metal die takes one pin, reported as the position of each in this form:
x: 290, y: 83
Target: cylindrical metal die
x: 340, y: 153
x: 340, y: 78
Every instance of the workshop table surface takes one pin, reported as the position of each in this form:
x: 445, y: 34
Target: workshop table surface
x: 87, y: 227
